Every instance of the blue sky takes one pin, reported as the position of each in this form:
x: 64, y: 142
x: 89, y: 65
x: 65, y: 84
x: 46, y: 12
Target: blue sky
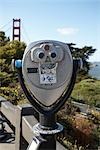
x: 76, y: 21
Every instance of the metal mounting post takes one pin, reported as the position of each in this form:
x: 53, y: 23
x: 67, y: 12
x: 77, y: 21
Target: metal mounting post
x: 46, y: 131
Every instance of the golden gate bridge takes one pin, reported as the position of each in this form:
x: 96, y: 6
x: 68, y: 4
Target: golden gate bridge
x: 16, y: 29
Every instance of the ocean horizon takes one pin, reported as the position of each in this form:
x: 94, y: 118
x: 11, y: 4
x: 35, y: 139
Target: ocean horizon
x: 95, y: 70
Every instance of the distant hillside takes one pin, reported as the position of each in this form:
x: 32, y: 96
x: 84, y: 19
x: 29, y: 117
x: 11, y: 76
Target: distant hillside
x: 95, y: 70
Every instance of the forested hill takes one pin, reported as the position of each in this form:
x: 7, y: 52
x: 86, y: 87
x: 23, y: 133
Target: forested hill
x: 95, y: 70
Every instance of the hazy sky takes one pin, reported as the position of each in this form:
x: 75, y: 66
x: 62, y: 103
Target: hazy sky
x: 76, y: 21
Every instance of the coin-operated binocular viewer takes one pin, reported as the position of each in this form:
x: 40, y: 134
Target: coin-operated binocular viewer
x: 47, y: 76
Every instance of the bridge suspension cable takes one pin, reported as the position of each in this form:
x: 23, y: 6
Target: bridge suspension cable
x: 8, y: 29
x: 25, y: 34
x: 4, y: 26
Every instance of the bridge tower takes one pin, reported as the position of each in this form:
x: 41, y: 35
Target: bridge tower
x: 16, y: 35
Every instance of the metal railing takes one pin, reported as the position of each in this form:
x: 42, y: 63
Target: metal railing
x: 22, y: 118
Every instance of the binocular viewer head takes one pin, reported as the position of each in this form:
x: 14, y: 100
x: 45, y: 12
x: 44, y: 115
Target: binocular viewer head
x: 47, y: 74
x: 47, y: 68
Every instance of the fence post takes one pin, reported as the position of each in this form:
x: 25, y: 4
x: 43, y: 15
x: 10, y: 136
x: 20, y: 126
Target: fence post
x: 18, y: 129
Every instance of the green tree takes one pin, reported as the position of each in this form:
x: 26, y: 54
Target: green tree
x: 13, y: 49
x: 8, y: 51
x: 3, y: 39
x: 84, y: 53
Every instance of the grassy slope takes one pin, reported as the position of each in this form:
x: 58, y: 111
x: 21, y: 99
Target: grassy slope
x: 87, y: 91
